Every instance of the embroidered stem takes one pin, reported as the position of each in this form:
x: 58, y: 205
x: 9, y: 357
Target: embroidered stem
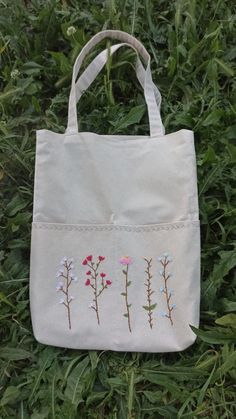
x: 165, y: 262
x: 95, y: 288
x: 67, y: 276
x: 149, y: 307
x: 93, y: 276
x: 125, y: 294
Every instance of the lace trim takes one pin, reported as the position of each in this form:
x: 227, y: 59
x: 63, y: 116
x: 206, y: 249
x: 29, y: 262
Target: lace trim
x: 108, y: 227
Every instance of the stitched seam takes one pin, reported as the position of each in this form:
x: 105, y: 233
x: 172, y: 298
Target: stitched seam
x: 128, y: 228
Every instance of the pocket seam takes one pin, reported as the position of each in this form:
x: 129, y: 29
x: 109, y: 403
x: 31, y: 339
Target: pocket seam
x: 117, y: 227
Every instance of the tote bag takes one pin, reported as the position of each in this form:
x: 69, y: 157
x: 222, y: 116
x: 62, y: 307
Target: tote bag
x: 115, y: 245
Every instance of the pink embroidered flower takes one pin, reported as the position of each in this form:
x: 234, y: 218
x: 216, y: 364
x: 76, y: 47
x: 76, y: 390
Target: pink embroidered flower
x: 88, y: 273
x: 89, y: 258
x: 102, y: 275
x: 126, y: 260
x: 87, y: 282
x: 84, y: 262
x: 108, y: 282
x: 101, y: 258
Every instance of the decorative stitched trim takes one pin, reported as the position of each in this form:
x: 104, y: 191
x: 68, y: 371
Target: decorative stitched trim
x: 108, y: 227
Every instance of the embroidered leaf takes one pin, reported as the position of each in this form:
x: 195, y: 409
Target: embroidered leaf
x: 153, y: 306
x: 124, y: 294
x: 129, y: 305
x: 128, y: 283
x: 124, y: 271
x: 146, y: 308
x: 126, y: 315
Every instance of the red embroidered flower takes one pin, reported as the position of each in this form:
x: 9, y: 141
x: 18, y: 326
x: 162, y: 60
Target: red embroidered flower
x: 108, y: 282
x: 101, y: 258
x: 85, y: 262
x: 88, y: 273
x: 89, y: 258
x: 102, y: 275
x: 87, y: 282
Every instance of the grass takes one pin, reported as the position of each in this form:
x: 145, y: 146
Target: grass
x: 193, y: 60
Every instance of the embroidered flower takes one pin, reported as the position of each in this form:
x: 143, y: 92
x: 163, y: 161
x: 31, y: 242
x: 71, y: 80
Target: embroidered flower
x: 126, y: 260
x: 74, y: 278
x: 59, y: 286
x: 97, y: 287
x: 66, y: 276
x: 108, y: 282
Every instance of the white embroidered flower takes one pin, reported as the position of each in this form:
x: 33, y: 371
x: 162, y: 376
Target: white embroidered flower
x: 164, y: 314
x: 74, y: 277
x: 70, y: 31
x: 161, y: 272
x: 59, y: 273
x: 59, y: 286
x: 160, y: 259
x: 169, y: 274
x: 72, y: 266
x: 91, y: 306
x: 61, y: 301
x: 161, y: 289
x: 64, y: 260
x: 166, y: 254
x: 174, y: 306
x: 71, y: 260
x: 71, y: 298
x: 15, y: 74
x: 170, y: 259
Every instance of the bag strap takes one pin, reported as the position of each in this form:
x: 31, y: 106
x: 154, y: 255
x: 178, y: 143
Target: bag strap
x: 156, y: 127
x: 94, y: 68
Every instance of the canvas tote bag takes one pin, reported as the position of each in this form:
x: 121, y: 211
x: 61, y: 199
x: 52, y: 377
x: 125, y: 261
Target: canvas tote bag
x: 115, y: 245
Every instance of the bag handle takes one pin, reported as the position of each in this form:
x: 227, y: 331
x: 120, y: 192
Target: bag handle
x: 94, y: 68
x: 156, y: 128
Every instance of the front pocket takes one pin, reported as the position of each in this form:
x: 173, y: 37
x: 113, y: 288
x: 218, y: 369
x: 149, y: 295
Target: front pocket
x: 118, y: 287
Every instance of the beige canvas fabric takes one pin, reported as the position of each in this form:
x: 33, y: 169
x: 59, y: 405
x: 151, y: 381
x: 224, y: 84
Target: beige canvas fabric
x: 115, y: 246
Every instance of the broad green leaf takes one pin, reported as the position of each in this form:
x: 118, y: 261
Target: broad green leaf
x: 75, y: 385
x: 215, y: 337
x: 225, y: 68
x: 10, y: 396
x: 227, y: 320
x: 133, y: 117
x: 14, y: 354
